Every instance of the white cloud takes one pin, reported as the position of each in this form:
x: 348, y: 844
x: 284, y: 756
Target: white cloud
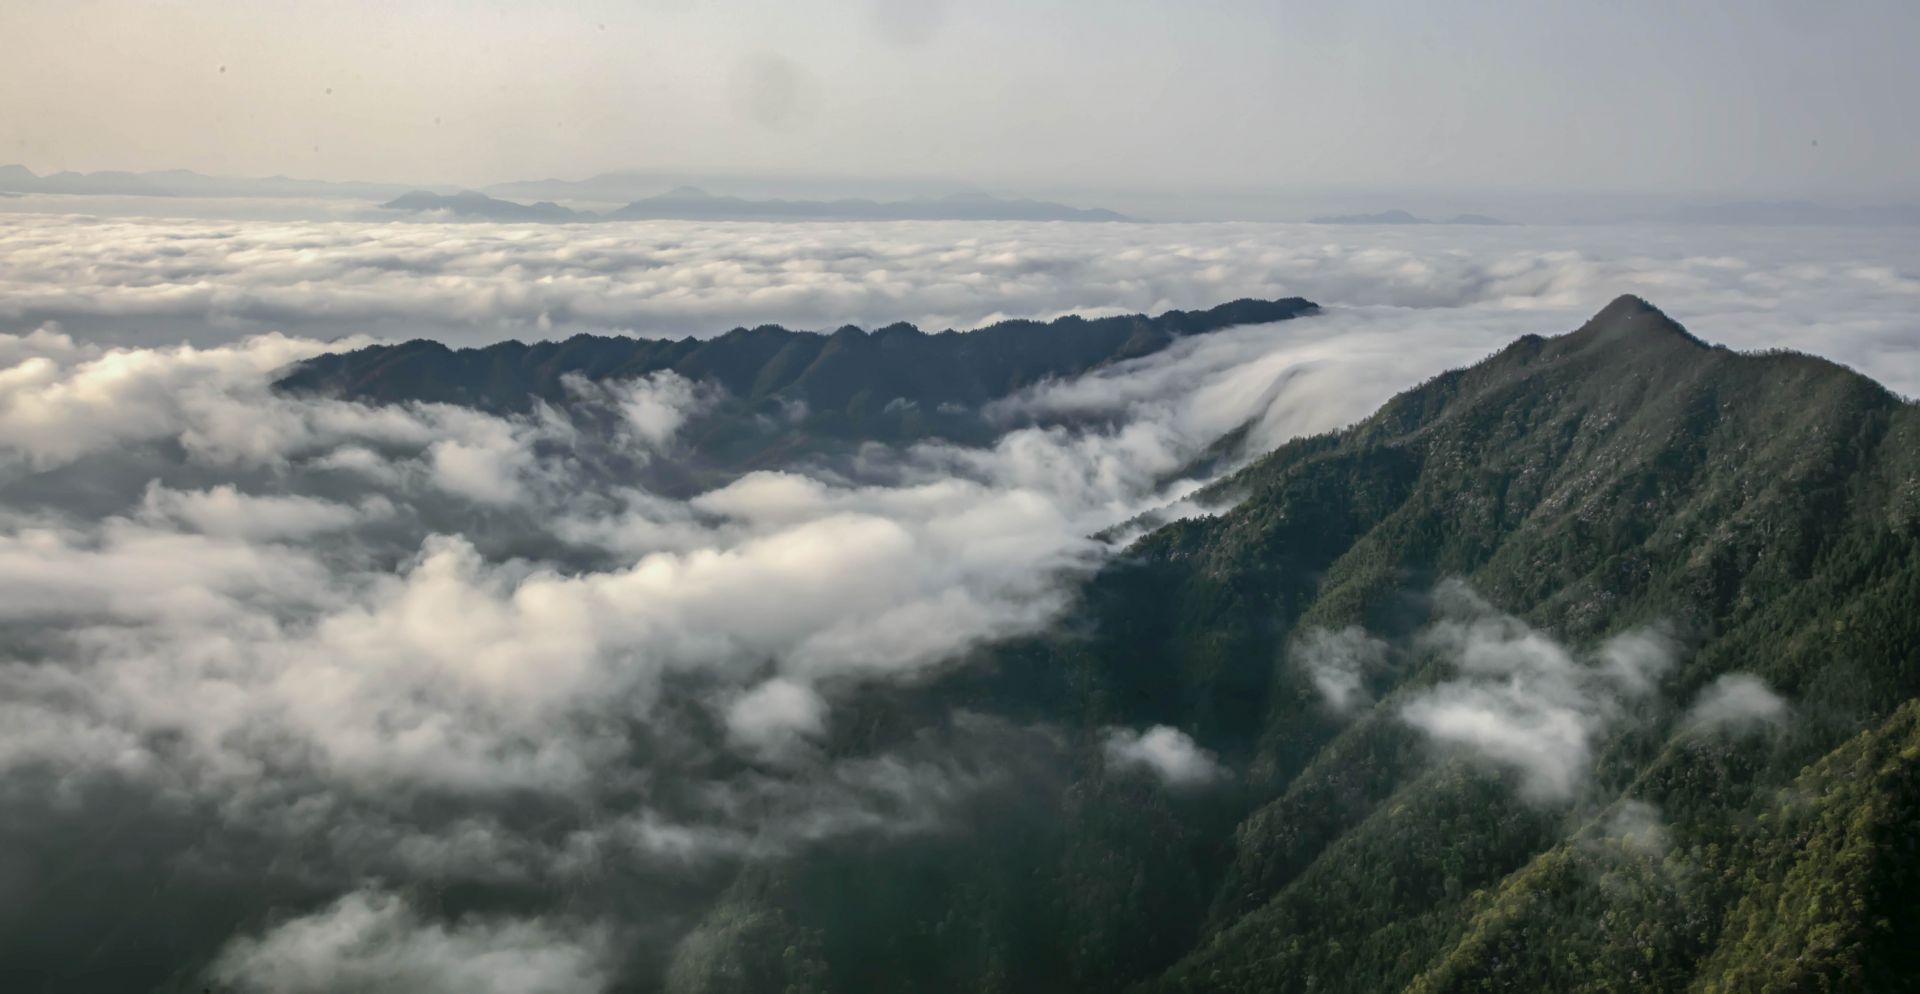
x: 225, y: 511
x: 1339, y: 662
x: 1524, y: 701
x: 1736, y: 701
x: 1849, y: 294
x: 1167, y: 752
x: 374, y: 942
x: 771, y: 716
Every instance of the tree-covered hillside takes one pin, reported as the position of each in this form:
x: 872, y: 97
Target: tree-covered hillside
x: 1589, y: 668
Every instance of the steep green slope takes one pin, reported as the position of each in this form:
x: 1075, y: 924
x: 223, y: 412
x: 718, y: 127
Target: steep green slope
x: 1762, y: 509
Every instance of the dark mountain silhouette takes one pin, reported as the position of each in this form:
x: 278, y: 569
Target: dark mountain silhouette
x: 1764, y: 508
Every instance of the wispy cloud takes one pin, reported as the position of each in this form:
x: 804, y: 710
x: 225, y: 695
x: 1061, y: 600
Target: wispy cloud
x: 1166, y: 752
x: 1524, y: 701
x: 374, y: 941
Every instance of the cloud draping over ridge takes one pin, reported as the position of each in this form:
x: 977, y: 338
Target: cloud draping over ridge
x: 419, y: 644
x: 422, y: 644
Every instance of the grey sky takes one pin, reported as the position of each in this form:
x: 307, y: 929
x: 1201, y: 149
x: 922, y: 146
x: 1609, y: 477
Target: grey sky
x: 1762, y: 97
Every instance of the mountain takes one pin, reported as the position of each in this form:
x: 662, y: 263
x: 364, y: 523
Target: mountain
x: 693, y: 204
x: 185, y: 183
x: 784, y: 390
x: 681, y: 203
x: 1474, y: 219
x: 470, y: 205
x: 1591, y: 667
x: 1403, y: 217
x: 1793, y: 212
x: 629, y: 185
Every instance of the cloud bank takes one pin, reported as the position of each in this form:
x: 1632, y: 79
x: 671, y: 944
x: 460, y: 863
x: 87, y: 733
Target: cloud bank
x: 1849, y: 295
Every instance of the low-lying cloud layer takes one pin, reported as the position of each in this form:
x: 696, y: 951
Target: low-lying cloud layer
x: 420, y: 644
x: 1849, y: 295
x: 374, y: 942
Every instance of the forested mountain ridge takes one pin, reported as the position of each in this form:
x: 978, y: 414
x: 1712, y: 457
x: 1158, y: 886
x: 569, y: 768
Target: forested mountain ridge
x: 1589, y: 667
x: 844, y: 372
x: 774, y: 396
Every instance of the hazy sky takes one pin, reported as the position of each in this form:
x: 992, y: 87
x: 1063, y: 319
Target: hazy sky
x: 1761, y: 97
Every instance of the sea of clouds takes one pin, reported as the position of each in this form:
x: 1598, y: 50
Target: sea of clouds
x: 1846, y: 293
x: 354, y: 655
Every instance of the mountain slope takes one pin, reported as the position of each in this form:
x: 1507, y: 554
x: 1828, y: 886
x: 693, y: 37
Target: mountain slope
x: 1760, y: 514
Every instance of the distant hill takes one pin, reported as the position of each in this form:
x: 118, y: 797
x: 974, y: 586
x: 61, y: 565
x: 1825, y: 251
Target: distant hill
x: 470, y: 205
x: 1403, y: 217
x: 626, y: 186
x: 693, y: 204
x: 186, y: 183
x: 681, y: 203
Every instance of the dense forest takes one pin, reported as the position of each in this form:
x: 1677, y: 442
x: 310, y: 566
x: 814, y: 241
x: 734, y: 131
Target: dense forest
x: 1589, y: 668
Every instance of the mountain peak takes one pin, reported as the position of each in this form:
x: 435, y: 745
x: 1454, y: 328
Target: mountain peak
x: 1631, y: 319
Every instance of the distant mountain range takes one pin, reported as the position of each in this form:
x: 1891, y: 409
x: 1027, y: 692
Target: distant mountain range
x: 538, y: 200
x: 694, y: 204
x: 472, y: 205
x: 681, y: 203
x: 1403, y: 217
x: 185, y: 183
x: 625, y: 186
